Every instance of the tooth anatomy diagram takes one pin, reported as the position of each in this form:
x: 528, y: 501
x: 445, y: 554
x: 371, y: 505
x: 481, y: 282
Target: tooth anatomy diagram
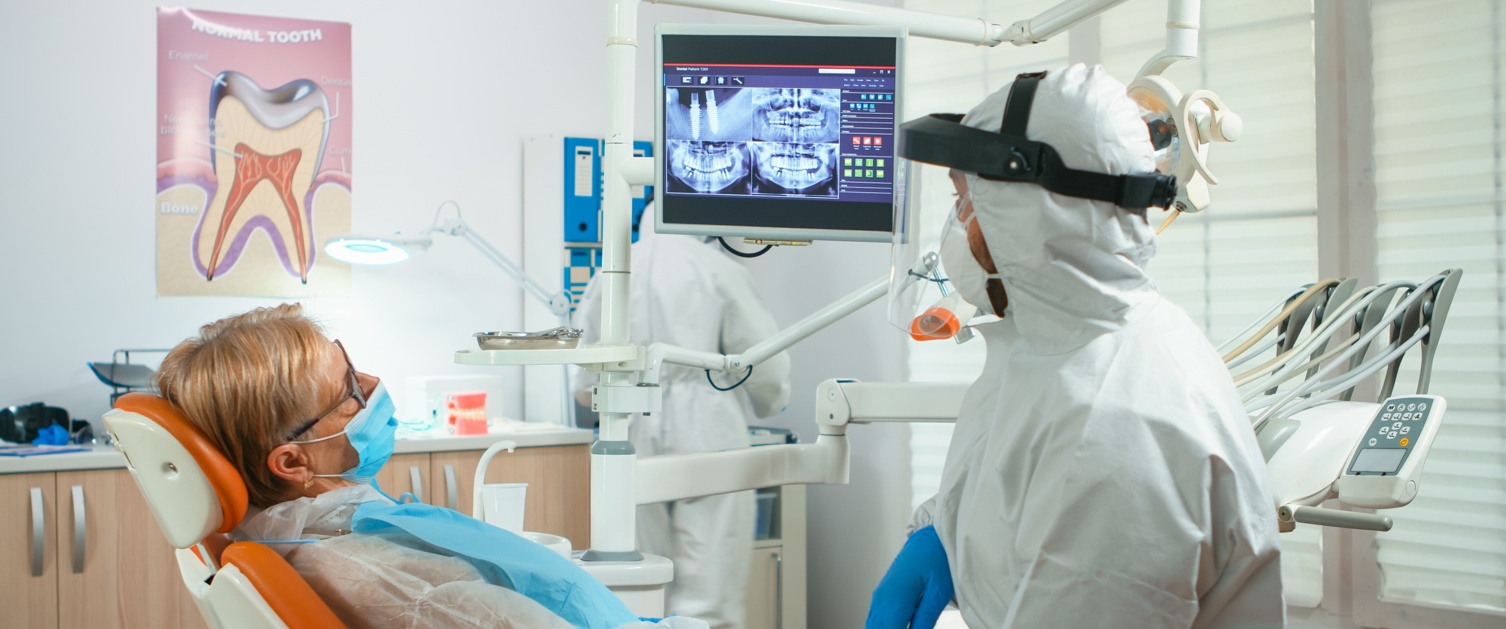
x: 278, y: 138
x: 253, y: 168
x: 253, y: 154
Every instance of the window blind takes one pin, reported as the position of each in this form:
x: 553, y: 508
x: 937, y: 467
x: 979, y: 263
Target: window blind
x: 1439, y: 120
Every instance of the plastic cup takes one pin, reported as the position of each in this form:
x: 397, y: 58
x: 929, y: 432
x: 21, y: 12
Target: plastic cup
x: 502, y: 505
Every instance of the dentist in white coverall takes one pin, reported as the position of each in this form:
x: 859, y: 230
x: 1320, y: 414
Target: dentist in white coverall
x: 686, y: 291
x: 1102, y: 472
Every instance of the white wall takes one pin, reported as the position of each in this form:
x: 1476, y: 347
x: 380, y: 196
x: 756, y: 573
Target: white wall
x: 446, y: 90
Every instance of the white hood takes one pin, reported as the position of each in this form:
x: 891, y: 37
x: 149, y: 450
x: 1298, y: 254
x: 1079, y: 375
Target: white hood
x: 1074, y: 268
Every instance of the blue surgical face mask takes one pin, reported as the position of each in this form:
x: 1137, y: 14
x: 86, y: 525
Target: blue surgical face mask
x: 373, y: 434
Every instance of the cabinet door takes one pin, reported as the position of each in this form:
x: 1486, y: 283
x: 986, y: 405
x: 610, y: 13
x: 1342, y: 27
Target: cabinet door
x: 764, y: 604
x: 28, y: 549
x: 559, y: 486
x: 407, y: 473
x: 114, y: 567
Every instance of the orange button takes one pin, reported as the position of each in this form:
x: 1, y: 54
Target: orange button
x: 1403, y: 442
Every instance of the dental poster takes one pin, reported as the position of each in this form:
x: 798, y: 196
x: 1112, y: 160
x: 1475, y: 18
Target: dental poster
x: 253, y: 154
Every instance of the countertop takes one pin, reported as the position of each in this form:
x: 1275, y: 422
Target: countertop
x: 103, y: 457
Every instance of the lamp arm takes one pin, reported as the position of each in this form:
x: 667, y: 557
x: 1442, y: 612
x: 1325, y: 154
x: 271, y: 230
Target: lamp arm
x: 558, y: 303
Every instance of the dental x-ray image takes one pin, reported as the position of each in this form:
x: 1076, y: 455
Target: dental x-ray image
x: 790, y: 134
x: 795, y: 135
x: 706, y: 134
x: 808, y: 170
x: 806, y: 116
x: 707, y: 167
x: 708, y: 115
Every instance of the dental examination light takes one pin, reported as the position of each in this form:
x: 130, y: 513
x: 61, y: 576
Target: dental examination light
x: 393, y: 248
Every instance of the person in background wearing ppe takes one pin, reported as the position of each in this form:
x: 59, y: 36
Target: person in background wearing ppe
x: 1103, y: 472
x: 308, y: 433
x: 686, y: 291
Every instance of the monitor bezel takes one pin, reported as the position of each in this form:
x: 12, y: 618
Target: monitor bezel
x: 766, y: 233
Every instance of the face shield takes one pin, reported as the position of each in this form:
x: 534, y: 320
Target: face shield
x: 919, y: 295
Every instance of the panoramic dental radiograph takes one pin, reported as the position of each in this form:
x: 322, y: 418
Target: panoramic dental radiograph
x: 794, y: 147
x: 752, y: 141
x: 706, y: 135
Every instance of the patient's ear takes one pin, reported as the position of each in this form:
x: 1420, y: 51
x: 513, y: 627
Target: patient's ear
x: 290, y: 463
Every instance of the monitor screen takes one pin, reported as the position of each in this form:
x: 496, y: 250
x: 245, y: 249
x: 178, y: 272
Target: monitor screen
x: 1378, y: 461
x: 770, y: 134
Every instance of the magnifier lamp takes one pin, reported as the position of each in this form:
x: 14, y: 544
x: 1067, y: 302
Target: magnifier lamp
x: 394, y: 248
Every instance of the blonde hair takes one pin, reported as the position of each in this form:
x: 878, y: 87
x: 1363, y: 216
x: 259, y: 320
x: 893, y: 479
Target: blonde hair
x: 246, y: 381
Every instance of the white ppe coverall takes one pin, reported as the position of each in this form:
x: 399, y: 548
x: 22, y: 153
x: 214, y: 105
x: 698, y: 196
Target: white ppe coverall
x: 371, y: 581
x: 1102, y: 472
x: 685, y: 291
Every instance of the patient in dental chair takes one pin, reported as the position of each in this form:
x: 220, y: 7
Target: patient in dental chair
x: 308, y: 433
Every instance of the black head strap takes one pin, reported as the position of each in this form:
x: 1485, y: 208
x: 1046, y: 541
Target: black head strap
x: 1010, y: 156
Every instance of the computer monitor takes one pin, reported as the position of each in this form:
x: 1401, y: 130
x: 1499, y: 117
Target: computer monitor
x: 777, y: 132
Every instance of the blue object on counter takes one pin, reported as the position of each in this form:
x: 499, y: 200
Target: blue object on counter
x: 39, y: 450
x: 52, y: 435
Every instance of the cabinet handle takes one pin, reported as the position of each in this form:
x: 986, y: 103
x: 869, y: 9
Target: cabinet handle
x: 449, y: 488
x: 416, y: 480
x: 80, y: 529
x: 778, y: 590
x: 38, y: 531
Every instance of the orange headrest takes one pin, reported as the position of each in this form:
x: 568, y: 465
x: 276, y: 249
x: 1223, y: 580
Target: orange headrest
x: 157, y: 462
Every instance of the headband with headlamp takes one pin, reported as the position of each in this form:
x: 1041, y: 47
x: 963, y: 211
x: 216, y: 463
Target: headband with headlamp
x: 1008, y: 155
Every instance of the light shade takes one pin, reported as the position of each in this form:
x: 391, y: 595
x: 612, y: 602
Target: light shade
x: 362, y: 249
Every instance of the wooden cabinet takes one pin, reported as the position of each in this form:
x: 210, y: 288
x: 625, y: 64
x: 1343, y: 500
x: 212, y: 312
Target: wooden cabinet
x: 81, y: 549
x: 103, y: 563
x: 776, y: 578
x: 29, y: 571
x: 407, y: 473
x: 558, y: 477
x: 765, y: 576
x: 112, y: 556
x: 559, y: 486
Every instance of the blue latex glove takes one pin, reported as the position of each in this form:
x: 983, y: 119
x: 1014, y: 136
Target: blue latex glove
x: 51, y: 435
x: 917, y: 587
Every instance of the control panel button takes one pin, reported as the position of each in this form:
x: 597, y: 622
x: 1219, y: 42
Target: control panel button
x: 1422, y: 406
x: 1372, y: 441
x: 1411, y: 407
x: 1403, y: 442
x: 1406, y: 429
x: 1390, y: 407
x: 1395, y: 425
x: 1384, y: 430
x: 1392, y: 435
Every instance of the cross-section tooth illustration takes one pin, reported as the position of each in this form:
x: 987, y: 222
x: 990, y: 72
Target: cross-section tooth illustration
x: 267, y: 146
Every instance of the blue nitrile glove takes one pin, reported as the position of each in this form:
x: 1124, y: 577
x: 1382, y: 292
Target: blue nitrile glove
x: 51, y: 435
x: 917, y: 587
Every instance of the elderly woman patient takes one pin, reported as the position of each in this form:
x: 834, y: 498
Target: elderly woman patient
x: 308, y: 432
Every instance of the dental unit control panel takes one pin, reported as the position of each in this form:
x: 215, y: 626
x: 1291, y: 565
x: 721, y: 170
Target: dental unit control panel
x: 1382, y: 471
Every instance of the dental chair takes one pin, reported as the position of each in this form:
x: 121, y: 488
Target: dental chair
x: 197, y: 496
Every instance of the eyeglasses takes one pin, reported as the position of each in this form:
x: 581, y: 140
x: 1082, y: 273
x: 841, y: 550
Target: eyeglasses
x: 353, y: 383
